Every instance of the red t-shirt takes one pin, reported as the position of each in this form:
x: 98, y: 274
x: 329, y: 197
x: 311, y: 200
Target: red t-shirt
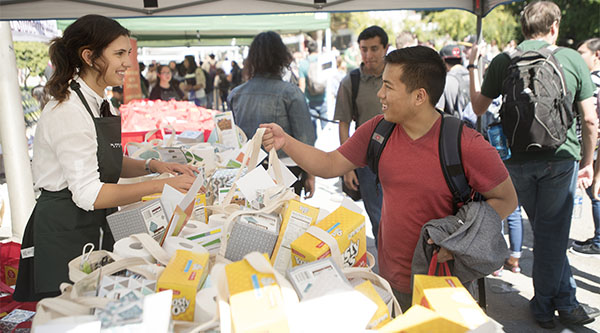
x: 414, y: 188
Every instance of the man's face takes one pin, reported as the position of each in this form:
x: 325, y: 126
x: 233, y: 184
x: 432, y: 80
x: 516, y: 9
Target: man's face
x: 588, y: 56
x: 395, y: 99
x: 372, y: 53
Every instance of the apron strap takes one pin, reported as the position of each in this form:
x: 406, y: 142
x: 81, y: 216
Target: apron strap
x: 76, y: 88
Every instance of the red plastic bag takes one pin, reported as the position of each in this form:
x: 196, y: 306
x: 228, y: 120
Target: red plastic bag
x: 9, y: 262
x: 434, y: 267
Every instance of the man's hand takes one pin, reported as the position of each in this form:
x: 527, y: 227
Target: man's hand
x: 351, y: 180
x: 274, y: 136
x: 585, y: 176
x: 309, y: 186
x: 443, y: 254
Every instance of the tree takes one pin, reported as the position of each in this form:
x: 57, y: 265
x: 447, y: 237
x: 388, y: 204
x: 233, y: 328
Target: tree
x: 32, y: 58
x: 500, y: 24
x: 580, y: 20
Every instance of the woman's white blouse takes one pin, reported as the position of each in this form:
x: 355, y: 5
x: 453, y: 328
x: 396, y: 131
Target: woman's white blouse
x: 65, y: 147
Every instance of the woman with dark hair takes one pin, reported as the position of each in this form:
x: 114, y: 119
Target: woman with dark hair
x: 266, y: 98
x: 164, y: 88
x: 77, y: 157
x: 236, y: 74
x: 194, y: 81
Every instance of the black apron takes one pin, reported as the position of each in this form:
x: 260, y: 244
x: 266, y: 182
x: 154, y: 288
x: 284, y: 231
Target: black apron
x: 58, y: 229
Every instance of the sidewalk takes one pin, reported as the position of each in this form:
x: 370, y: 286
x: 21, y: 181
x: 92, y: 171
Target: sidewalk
x: 508, y: 295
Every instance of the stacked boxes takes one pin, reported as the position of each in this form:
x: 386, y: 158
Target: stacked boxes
x: 184, y: 274
x: 347, y: 228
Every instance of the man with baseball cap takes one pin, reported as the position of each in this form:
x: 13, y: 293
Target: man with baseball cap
x: 456, y: 92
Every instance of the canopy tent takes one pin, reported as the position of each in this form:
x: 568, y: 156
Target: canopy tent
x: 12, y: 126
x: 57, y: 9
x: 215, y: 30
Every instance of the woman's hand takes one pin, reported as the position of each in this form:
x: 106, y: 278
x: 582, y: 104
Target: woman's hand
x: 181, y: 183
x: 172, y: 168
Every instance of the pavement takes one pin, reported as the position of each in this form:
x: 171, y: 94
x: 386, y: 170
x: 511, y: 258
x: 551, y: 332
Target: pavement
x: 508, y: 295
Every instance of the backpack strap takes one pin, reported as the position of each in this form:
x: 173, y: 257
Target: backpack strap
x: 355, y: 81
x: 451, y: 160
x: 379, y: 139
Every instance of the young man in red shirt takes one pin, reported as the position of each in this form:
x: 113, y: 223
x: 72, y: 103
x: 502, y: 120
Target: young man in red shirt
x: 414, y: 188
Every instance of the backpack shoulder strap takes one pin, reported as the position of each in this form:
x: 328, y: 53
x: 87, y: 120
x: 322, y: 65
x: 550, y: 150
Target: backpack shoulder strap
x: 377, y: 143
x: 355, y: 81
x: 451, y: 160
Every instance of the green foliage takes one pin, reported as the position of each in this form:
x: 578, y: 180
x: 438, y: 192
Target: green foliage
x: 32, y: 57
x: 580, y: 20
x: 499, y: 25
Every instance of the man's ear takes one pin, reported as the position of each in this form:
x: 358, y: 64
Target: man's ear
x: 421, y: 96
x: 86, y: 55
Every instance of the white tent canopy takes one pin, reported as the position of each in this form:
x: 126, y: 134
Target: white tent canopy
x: 56, y: 9
x: 12, y: 125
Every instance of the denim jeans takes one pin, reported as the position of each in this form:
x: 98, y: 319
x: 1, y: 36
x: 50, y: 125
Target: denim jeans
x: 372, y: 197
x: 515, y: 232
x: 546, y: 190
x: 596, y: 215
x: 318, y: 109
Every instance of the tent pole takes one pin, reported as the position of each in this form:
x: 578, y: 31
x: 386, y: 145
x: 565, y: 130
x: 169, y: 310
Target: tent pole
x: 12, y: 134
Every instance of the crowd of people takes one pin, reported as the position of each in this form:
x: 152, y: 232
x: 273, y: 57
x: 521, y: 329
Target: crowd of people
x: 414, y: 87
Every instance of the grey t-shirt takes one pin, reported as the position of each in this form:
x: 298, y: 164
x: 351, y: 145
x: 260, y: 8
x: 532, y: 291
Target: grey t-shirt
x: 367, y: 102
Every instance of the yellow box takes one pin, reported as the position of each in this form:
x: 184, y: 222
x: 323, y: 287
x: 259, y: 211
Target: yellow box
x: 348, y: 229
x: 297, y: 217
x: 419, y: 319
x: 456, y: 305
x: 422, y: 282
x: 260, y: 310
x: 184, y: 274
x: 240, y: 277
x: 382, y: 315
x: 199, y: 212
x: 255, y: 299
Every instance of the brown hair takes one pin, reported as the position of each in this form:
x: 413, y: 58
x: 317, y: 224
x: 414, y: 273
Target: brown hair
x: 93, y: 32
x: 538, y: 17
x: 422, y: 67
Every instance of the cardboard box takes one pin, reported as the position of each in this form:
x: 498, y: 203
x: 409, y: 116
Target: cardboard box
x: 419, y: 319
x: 184, y: 274
x: 142, y: 217
x: 422, y: 282
x: 456, y: 305
x: 255, y: 299
x: 297, y: 217
x: 382, y: 316
x: 252, y: 233
x: 304, y: 277
x: 384, y: 294
x: 199, y: 213
x: 348, y: 229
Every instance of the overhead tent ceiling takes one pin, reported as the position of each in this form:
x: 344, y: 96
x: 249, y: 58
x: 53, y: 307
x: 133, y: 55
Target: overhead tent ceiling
x: 67, y: 9
x: 214, y: 30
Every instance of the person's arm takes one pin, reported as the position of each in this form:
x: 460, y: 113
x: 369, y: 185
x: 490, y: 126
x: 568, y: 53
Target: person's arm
x: 589, y: 127
x: 132, y: 167
x: 302, y: 83
x: 479, y: 102
x: 503, y: 198
x: 312, y: 160
x: 200, y: 80
x: 350, y: 178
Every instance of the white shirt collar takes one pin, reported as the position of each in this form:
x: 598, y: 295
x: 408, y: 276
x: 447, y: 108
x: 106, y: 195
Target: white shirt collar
x: 91, y: 96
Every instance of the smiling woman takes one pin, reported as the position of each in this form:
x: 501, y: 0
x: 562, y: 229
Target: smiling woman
x: 77, y: 157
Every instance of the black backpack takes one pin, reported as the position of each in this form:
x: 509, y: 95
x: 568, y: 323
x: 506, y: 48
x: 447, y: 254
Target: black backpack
x: 449, y: 151
x: 536, y: 111
x: 355, y: 81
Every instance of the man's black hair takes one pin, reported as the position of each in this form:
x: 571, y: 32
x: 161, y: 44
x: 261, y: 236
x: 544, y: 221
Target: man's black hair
x: 374, y: 31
